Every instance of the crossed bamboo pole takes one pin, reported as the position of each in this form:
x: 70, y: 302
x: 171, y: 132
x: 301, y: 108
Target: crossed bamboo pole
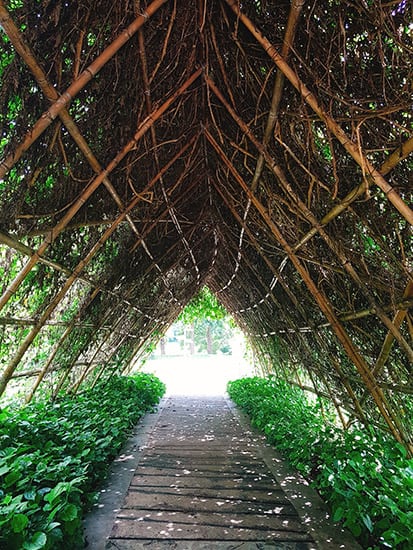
x: 324, y: 304
x: 45, y: 369
x: 357, y: 408
x: 23, y: 49
x: 143, y: 127
x: 345, y: 262
x: 371, y: 173
x: 66, y: 97
x: 98, y: 350
x: 91, y: 188
x: 67, y: 332
x: 293, y: 18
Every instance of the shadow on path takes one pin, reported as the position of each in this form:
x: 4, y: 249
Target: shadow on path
x: 196, y: 477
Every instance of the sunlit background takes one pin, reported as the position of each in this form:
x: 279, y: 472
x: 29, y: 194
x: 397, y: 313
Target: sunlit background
x: 181, y: 359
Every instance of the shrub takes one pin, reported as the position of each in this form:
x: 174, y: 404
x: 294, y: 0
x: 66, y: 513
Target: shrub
x: 363, y: 474
x: 54, y: 455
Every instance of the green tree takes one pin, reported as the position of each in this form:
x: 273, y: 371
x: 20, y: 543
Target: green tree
x: 208, y: 319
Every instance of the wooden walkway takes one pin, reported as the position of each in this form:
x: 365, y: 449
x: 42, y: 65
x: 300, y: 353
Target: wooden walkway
x: 203, y: 480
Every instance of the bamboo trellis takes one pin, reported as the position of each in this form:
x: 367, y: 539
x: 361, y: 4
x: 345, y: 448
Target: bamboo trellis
x: 260, y: 148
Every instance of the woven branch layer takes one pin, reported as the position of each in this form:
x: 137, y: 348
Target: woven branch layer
x: 266, y: 154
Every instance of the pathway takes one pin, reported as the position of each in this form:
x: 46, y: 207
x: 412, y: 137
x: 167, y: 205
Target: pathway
x: 196, y: 477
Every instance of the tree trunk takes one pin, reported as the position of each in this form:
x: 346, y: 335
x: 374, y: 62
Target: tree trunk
x: 209, y: 339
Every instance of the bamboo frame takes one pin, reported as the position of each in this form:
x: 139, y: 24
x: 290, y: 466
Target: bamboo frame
x: 277, y: 171
x: 325, y: 306
x: 352, y: 148
x: 358, y: 409
x: 91, y: 188
x: 66, y: 97
x: 241, y: 246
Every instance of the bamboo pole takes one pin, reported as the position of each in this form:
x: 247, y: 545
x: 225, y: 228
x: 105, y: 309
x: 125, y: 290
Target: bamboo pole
x: 277, y: 171
x: 75, y: 386
x: 324, y: 304
x: 142, y: 129
x: 11, y: 242
x: 10, y: 368
x: 388, y: 341
x: 293, y: 18
x: 372, y: 174
x: 52, y: 354
x: 295, y: 11
x: 83, y: 224
x: 66, y: 97
x: 14, y: 321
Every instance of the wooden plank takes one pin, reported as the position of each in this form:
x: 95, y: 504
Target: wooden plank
x: 185, y: 503
x: 247, y: 494
x: 198, y: 525
x: 206, y: 481
x: 132, y: 544
x: 217, y: 470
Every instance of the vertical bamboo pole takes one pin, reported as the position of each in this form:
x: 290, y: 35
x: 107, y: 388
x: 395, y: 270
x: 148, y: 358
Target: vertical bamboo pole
x: 56, y: 347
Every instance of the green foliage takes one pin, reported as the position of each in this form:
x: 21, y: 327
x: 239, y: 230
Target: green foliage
x: 211, y: 324
x: 53, y: 456
x: 364, y: 475
x: 203, y: 306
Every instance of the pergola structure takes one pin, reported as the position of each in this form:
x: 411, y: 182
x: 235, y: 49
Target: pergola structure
x: 262, y: 148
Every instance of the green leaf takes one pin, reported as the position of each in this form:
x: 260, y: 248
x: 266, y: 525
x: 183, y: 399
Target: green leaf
x: 4, y: 469
x: 355, y: 529
x: 69, y: 512
x: 60, y: 488
x: 338, y: 514
x: 38, y: 541
x: 11, y: 478
x: 367, y: 522
x: 19, y: 522
x: 30, y: 494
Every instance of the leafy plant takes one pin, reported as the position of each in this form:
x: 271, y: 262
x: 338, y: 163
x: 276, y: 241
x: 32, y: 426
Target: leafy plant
x: 54, y: 455
x: 363, y: 474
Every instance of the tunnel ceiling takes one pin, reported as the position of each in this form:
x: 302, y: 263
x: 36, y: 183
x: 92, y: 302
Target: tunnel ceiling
x: 261, y: 148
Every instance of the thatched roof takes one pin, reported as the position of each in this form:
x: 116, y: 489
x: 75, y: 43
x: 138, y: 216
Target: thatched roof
x: 149, y: 149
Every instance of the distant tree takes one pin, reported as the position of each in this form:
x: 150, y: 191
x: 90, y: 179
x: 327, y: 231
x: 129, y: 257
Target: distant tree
x: 204, y: 305
x: 208, y: 319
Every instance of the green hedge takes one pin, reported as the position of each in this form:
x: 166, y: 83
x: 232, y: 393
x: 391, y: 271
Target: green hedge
x: 54, y: 455
x: 364, y: 475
